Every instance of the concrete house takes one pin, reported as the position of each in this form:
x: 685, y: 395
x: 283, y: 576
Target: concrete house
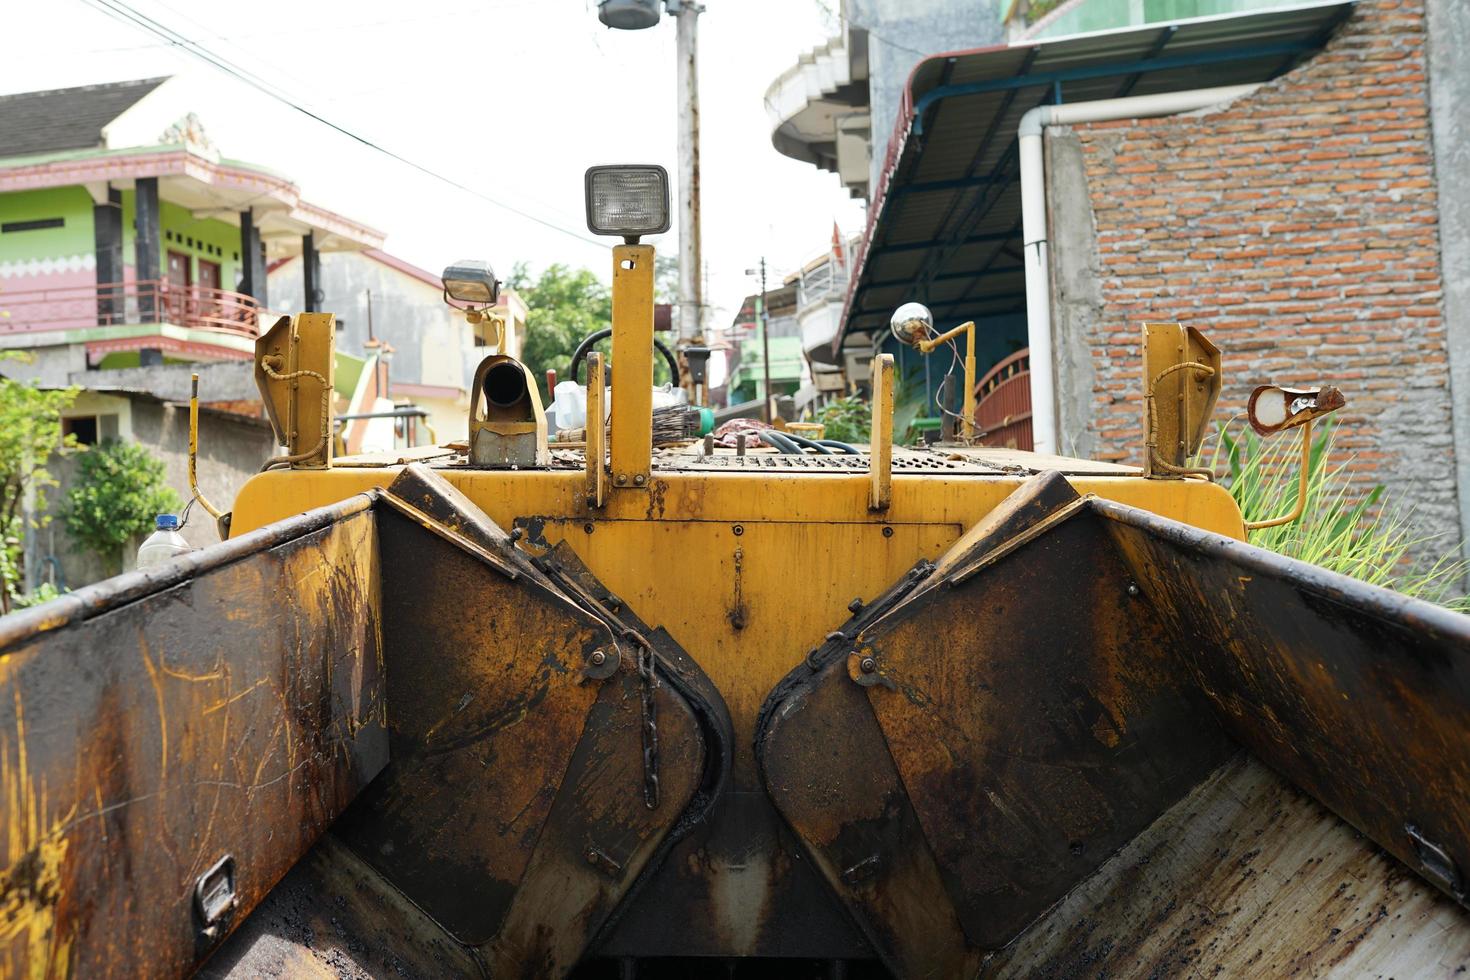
x: 132, y: 252
x: 1291, y: 187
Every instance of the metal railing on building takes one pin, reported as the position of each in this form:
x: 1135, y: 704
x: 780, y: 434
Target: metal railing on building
x: 820, y: 282
x: 1003, y: 404
x: 130, y: 303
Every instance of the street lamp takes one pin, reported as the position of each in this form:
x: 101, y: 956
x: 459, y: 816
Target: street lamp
x: 636, y: 15
x: 629, y: 15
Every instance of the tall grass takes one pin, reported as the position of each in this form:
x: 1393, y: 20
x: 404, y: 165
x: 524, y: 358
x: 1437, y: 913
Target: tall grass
x: 1342, y: 529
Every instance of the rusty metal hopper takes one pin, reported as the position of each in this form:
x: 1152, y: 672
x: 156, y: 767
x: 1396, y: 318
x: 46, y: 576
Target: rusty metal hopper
x: 391, y: 738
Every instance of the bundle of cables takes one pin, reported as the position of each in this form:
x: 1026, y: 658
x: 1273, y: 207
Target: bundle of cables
x: 788, y: 443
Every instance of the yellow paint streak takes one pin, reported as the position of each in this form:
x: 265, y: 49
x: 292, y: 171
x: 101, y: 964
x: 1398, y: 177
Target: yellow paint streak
x: 31, y: 880
x: 235, y: 697
x: 153, y: 673
x: 27, y: 919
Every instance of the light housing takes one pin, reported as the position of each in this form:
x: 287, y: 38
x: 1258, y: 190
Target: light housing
x: 1272, y: 408
x: 630, y: 200
x: 629, y: 15
x: 471, y: 281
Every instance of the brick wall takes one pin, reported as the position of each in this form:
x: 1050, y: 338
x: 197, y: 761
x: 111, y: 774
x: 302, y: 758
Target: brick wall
x: 1298, y: 228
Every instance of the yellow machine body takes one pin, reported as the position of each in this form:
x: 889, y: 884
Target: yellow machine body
x: 545, y: 710
x: 746, y: 567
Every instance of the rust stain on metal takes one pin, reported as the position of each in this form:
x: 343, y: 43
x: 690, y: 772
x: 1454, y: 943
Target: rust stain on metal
x: 178, y: 742
x: 1246, y: 876
x: 1358, y: 695
x: 738, y: 612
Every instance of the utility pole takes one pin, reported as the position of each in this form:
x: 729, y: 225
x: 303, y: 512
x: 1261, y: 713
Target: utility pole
x: 635, y: 15
x: 691, y: 293
x: 764, y: 317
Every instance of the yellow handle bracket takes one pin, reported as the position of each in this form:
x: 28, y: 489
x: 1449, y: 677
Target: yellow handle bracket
x: 1301, y: 489
x: 214, y: 511
x: 880, y: 437
x: 928, y: 345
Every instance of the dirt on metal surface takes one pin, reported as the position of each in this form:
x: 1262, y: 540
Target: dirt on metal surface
x: 542, y: 753
x: 333, y: 916
x: 1358, y: 695
x: 179, y: 723
x: 1069, y: 672
x: 1246, y: 877
x: 830, y: 775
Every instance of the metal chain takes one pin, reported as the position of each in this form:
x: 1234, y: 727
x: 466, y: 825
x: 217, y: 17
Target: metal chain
x: 648, y: 682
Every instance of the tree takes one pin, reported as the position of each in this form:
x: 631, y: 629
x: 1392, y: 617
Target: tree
x: 30, y: 431
x: 563, y: 306
x: 665, y: 279
x: 119, y: 492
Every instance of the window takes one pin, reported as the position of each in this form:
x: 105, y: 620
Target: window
x: 84, y: 427
x: 36, y: 225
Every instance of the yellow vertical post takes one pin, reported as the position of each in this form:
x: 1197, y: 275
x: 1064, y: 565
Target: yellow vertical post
x: 632, y: 359
x: 596, y: 433
x: 194, y: 449
x: 880, y: 441
x: 969, y: 430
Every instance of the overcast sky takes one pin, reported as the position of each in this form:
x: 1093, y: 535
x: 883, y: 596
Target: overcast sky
x: 514, y: 98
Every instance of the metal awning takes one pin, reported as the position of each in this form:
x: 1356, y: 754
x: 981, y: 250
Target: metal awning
x: 945, y: 225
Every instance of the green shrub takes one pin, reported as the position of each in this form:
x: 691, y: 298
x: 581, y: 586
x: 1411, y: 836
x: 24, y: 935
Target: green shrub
x: 1342, y: 529
x: 30, y: 432
x: 846, y: 419
x: 118, y: 493
x: 44, y: 592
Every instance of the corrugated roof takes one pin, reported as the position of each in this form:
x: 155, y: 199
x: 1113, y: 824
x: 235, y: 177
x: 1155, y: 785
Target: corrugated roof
x: 65, y: 118
x: 945, y: 226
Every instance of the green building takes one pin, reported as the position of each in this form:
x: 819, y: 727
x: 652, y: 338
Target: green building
x: 127, y: 239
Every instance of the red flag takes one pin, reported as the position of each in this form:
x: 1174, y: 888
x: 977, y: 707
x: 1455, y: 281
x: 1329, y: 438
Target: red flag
x: 837, y: 254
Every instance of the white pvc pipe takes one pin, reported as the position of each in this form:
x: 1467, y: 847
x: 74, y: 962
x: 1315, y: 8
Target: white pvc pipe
x: 1034, y: 230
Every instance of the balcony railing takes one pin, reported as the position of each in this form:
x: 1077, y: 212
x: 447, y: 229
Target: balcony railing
x: 822, y: 282
x: 1003, y: 409
x: 117, y: 304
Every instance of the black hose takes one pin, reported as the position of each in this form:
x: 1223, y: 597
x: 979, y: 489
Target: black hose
x: 844, y: 448
x: 779, y: 441
x: 586, y: 345
x: 809, y: 443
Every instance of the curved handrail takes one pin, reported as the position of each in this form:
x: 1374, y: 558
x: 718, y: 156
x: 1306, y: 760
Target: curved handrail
x: 1004, y: 370
x: 125, y: 303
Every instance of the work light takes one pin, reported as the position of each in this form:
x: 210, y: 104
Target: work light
x: 628, y: 200
x: 471, y: 281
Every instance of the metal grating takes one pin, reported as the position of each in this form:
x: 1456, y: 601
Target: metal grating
x: 903, y: 462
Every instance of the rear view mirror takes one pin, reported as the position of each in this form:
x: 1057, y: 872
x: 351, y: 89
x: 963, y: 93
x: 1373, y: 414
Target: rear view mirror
x: 1274, y: 409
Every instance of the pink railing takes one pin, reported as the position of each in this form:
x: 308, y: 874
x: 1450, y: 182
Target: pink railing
x: 114, y: 304
x: 1003, y: 403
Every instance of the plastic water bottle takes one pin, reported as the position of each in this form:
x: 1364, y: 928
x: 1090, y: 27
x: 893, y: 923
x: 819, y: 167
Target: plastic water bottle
x: 164, y: 543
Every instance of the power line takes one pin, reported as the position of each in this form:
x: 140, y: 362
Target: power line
x: 121, y: 11
x: 335, y: 29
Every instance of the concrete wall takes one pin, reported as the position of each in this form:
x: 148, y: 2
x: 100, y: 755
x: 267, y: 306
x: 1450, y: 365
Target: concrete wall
x: 231, y: 450
x: 1449, y: 104
x: 1300, y: 228
x: 903, y: 32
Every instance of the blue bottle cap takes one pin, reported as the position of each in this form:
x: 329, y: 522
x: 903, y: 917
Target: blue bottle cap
x: 168, y: 522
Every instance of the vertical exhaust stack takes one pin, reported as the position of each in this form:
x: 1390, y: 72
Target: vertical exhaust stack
x: 507, y: 425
